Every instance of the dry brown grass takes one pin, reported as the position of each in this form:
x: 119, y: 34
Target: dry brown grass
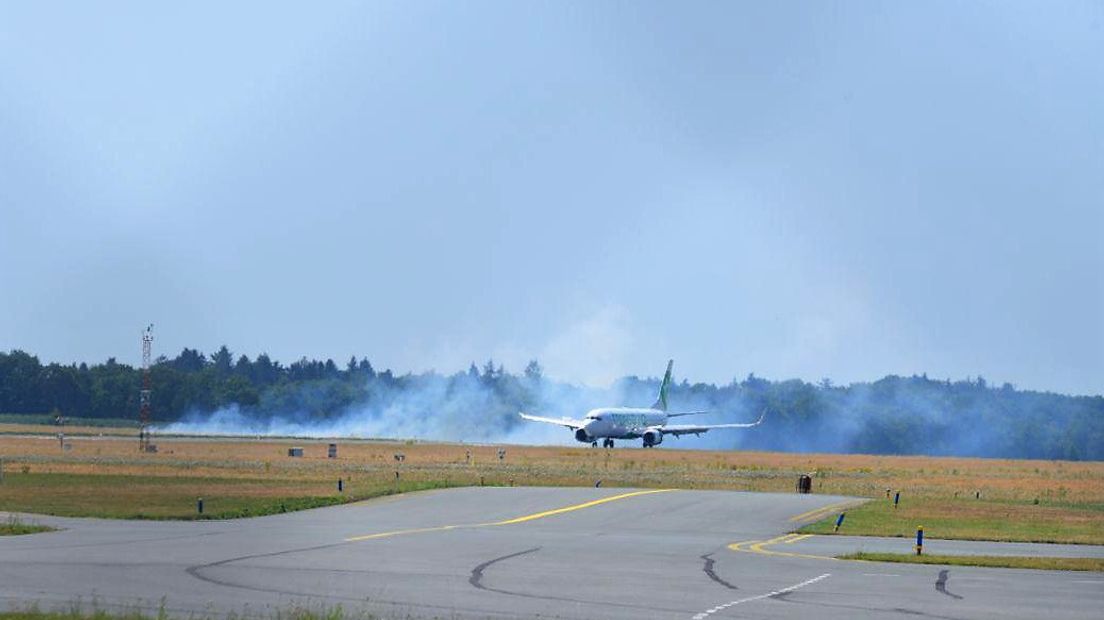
x: 1050, y: 482
x: 106, y: 475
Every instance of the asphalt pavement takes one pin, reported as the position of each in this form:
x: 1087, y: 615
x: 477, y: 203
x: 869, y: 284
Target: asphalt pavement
x: 530, y: 552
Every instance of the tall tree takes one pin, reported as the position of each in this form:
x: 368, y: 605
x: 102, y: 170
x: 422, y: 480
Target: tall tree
x: 223, y: 361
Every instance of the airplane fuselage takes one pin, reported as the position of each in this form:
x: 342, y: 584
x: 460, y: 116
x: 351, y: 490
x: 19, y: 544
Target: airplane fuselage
x: 649, y: 424
x: 619, y: 423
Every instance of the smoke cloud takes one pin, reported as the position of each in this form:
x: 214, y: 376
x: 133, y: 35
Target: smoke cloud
x: 466, y: 407
x: 895, y: 415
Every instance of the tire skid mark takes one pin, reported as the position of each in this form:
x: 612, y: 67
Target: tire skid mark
x: 941, y: 585
x: 197, y: 570
x: 476, y: 580
x: 707, y: 568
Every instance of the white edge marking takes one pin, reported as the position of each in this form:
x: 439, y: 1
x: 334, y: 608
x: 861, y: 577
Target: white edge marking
x: 705, y: 614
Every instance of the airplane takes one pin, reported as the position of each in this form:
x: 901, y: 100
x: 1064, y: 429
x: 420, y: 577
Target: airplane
x: 609, y: 423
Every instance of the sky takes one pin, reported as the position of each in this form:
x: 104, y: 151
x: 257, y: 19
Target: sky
x: 791, y: 189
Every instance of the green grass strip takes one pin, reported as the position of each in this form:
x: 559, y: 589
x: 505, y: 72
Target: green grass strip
x: 968, y: 519
x: 14, y: 527
x: 990, y: 561
x: 21, y: 528
x: 174, y: 498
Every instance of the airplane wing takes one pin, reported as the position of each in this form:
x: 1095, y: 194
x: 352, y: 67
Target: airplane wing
x: 675, y: 415
x: 569, y: 423
x: 697, y: 429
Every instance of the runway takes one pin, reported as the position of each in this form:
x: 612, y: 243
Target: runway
x: 527, y: 552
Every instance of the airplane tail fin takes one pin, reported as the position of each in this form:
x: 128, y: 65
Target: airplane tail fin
x: 661, y: 402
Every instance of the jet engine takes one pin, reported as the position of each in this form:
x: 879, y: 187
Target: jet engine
x: 581, y: 435
x: 652, y: 437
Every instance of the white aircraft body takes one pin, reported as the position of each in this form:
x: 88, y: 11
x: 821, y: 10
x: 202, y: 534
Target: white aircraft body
x: 649, y: 424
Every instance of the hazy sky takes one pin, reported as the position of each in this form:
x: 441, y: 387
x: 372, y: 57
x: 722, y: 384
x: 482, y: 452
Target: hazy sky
x: 809, y: 190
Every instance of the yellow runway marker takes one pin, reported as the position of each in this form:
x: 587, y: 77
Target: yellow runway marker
x: 798, y: 537
x: 523, y: 519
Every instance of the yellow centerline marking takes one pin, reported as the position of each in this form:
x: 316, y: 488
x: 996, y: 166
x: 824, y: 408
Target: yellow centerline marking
x: 736, y: 546
x: 549, y: 513
x: 760, y: 547
x: 419, y: 530
x: 522, y: 519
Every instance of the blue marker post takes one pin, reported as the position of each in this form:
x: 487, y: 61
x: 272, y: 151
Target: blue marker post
x: 919, y: 539
x: 896, y: 498
x: 340, y: 485
x: 839, y: 521
x: 199, y: 505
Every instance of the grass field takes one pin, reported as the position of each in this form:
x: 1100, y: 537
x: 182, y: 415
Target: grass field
x: 107, y: 476
x: 991, y: 561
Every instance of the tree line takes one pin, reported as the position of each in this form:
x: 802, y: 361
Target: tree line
x: 893, y: 415
x: 194, y: 382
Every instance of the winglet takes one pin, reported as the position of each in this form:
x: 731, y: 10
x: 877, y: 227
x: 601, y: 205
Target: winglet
x: 661, y: 402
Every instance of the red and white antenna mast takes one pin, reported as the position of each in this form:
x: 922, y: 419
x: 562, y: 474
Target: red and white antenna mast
x: 144, y: 399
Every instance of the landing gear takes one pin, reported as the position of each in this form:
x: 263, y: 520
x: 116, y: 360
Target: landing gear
x: 594, y: 444
x: 607, y: 443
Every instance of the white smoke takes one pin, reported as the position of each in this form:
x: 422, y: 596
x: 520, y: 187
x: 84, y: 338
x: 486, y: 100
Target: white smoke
x: 427, y: 407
